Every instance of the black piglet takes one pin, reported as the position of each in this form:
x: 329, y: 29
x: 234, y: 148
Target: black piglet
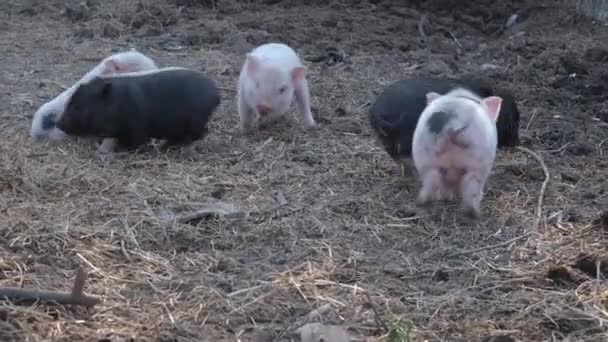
x: 171, y: 103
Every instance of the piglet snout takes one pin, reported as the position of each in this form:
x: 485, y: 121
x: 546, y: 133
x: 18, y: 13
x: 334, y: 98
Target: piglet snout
x: 264, y: 109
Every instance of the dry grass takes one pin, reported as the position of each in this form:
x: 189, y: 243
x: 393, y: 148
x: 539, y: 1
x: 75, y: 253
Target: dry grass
x: 328, y: 234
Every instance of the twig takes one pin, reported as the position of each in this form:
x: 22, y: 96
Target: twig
x: 75, y: 297
x: 543, y: 188
x: 227, y: 89
x: 539, y: 208
x: 421, y: 28
x: 379, y: 320
x: 440, y: 27
x: 222, y: 209
x: 252, y: 302
x: 62, y: 86
x: 314, y: 313
x: 485, y: 248
x: 260, y: 216
x: 363, y: 105
x: 124, y: 251
x: 534, y: 112
x: 249, y: 289
x: 451, y: 35
x: 196, y: 215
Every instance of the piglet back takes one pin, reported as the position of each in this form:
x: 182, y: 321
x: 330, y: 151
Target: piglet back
x: 507, y: 125
x: 168, y: 104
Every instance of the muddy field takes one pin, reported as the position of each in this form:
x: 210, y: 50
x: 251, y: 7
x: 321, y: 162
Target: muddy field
x: 329, y: 234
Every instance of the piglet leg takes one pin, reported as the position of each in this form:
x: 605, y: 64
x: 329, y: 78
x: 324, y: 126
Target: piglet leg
x: 108, y: 145
x: 431, y: 187
x: 471, y: 190
x: 303, y: 100
x: 246, y: 114
x: 136, y: 137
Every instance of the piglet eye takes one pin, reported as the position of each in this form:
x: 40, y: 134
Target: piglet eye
x: 282, y: 89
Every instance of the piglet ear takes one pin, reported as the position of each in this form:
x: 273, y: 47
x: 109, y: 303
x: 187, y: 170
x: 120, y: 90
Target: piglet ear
x: 492, y: 104
x: 252, y: 63
x: 298, y: 73
x: 111, y: 66
x: 430, y: 97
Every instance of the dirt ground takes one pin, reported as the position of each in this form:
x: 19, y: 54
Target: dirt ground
x: 329, y: 234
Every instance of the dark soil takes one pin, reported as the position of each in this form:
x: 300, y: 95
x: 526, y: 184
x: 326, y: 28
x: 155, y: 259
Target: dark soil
x: 327, y: 221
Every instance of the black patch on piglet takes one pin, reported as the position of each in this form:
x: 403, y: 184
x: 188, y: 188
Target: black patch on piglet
x: 438, y: 120
x: 48, y: 122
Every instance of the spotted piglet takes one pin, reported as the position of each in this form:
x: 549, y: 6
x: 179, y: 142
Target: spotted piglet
x: 454, y: 147
x: 271, y: 76
x: 395, y: 112
x: 45, y: 119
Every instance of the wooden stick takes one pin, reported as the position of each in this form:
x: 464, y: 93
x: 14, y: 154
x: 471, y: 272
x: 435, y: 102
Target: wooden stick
x: 379, y: 320
x: 543, y: 187
x: 421, y: 28
x: 75, y: 297
x: 486, y: 248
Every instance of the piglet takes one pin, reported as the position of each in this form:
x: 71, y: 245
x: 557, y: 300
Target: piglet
x: 169, y: 103
x: 270, y: 77
x: 454, y: 146
x: 44, y: 122
x: 395, y: 112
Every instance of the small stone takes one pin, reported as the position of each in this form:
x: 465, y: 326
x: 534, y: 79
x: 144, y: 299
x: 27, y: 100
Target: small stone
x: 437, y: 67
x: 110, y: 31
x: 317, y: 332
x: 489, y: 66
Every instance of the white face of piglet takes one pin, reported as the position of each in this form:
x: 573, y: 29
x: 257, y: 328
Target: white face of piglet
x: 271, y: 89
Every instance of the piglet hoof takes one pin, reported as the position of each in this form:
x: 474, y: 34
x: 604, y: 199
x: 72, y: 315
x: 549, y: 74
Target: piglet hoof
x: 104, y: 153
x: 264, y: 125
x: 311, y: 126
x: 423, y: 201
x: 472, y: 214
x: 189, y: 151
x: 447, y: 196
x: 108, y: 145
x: 244, y: 130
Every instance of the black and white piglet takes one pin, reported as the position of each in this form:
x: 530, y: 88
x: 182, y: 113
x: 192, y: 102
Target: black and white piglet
x: 395, y: 112
x: 169, y: 103
x: 454, y: 147
x: 43, y: 124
